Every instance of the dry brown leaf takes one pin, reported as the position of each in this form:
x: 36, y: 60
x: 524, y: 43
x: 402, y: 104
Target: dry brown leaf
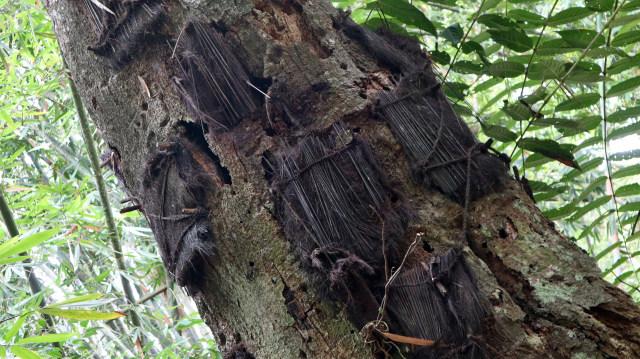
x: 408, y: 340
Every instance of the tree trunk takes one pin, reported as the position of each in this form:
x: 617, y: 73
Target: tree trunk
x: 230, y: 124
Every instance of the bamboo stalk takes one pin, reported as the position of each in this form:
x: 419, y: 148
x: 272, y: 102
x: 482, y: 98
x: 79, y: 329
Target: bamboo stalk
x: 34, y: 282
x: 104, y: 199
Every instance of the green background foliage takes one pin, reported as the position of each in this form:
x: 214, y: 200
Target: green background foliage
x: 554, y: 83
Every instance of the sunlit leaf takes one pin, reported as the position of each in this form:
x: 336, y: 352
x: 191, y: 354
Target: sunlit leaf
x: 19, y: 245
x: 24, y: 353
x: 81, y: 314
x: 78, y: 299
x: 47, y: 338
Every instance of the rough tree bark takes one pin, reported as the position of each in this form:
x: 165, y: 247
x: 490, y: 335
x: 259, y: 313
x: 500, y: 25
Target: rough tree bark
x: 545, y: 295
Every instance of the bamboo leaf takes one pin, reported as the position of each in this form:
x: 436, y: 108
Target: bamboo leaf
x: 19, y: 245
x: 47, y: 338
x: 10, y: 260
x: 24, y: 353
x: 15, y: 328
x: 78, y: 299
x: 81, y: 314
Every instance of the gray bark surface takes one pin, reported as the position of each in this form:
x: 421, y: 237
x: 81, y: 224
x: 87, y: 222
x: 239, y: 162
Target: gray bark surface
x: 546, y: 294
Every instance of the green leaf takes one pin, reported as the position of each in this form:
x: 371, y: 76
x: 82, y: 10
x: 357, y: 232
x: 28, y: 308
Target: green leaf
x: 578, y: 102
x: 440, y: 57
x: 81, y: 314
x: 405, y: 12
x: 546, y: 70
x: 626, y: 155
x: 615, y: 265
x: 514, y: 39
x: 559, y: 213
x: 630, y: 207
x: 572, y: 127
x: 538, y: 95
x: 632, y: 189
x: 455, y: 90
x: 24, y: 353
x: 631, y: 5
x: 551, y: 149
x: 626, y: 38
x: 18, y: 245
x: 526, y: 16
x: 623, y: 277
x: 600, y: 5
x: 626, y: 172
x: 581, y: 38
x: 569, y: 15
x: 584, y: 72
x: 596, y: 184
x: 623, y: 65
x: 585, y: 167
x: 622, y: 115
x: 499, y: 133
x: 590, y: 207
x: 624, y: 131
x: 469, y: 46
x: 47, y: 338
x: 453, y: 33
x: 15, y: 328
x: 550, y: 194
x: 623, y: 87
x: 10, y: 260
x: 497, y: 22
x: 607, y: 250
x: 517, y: 111
x: 78, y: 299
x: 506, y: 69
x: 467, y: 67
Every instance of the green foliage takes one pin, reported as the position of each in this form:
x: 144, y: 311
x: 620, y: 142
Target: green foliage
x: 556, y: 83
